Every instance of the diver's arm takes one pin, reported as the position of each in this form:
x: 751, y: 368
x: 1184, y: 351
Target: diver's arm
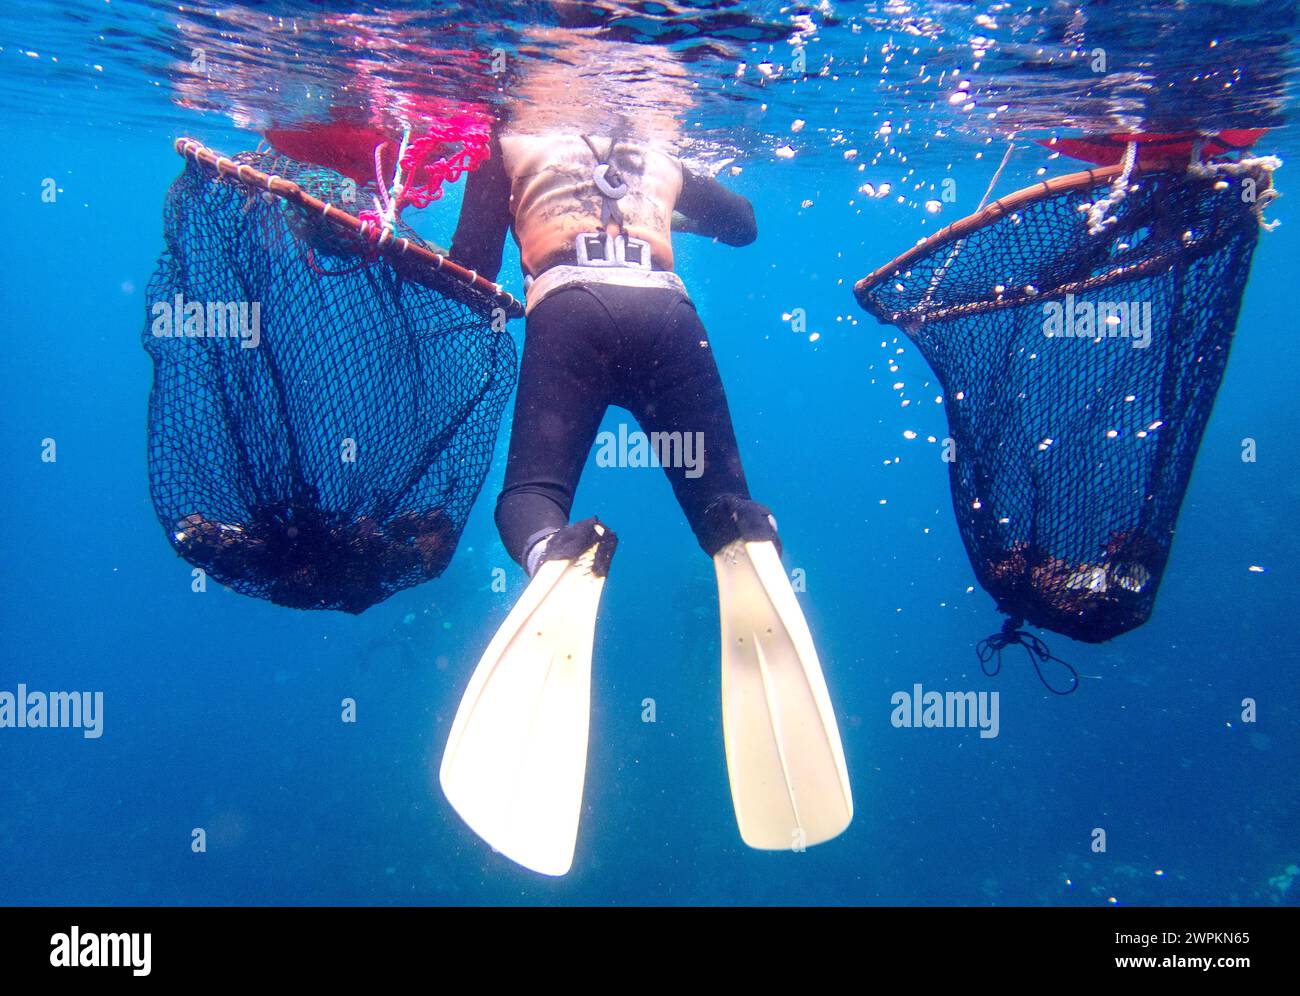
x: 711, y: 209
x: 484, y: 218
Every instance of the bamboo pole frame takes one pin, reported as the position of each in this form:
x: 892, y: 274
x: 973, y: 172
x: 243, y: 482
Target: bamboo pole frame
x: 999, y: 209
x: 387, y: 242
x: 996, y: 211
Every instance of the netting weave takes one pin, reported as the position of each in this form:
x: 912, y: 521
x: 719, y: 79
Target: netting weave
x: 325, y: 453
x: 1078, y: 373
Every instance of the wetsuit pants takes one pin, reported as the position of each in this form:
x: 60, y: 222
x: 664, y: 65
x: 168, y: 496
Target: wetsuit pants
x: 644, y: 349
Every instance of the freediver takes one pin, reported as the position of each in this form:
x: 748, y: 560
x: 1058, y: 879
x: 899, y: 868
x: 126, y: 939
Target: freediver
x: 609, y: 322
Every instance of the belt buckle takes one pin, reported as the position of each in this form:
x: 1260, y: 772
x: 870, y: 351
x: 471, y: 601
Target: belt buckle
x: 634, y: 253
x: 599, y: 249
x: 595, y: 249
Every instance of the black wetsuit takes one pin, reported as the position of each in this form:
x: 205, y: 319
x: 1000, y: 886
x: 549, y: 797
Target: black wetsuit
x: 593, y: 345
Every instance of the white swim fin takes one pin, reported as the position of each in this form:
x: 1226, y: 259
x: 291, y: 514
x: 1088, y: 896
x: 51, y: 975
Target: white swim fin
x: 789, y: 783
x: 517, y: 755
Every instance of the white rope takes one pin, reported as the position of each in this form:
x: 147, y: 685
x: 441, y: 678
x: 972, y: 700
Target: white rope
x: 938, y: 274
x: 388, y: 201
x: 1006, y: 158
x: 1235, y: 168
x: 1244, y: 166
x: 1097, y: 220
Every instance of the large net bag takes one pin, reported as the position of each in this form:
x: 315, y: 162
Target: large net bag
x: 1080, y: 330
x: 326, y: 397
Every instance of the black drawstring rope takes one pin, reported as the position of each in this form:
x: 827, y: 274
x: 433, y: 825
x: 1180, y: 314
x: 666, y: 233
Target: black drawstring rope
x: 990, y: 649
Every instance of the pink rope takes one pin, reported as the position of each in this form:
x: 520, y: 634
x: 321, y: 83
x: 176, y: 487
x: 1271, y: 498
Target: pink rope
x: 471, y: 131
x: 426, y: 171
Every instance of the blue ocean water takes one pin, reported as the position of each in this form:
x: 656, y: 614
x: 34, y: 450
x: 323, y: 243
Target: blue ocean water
x: 223, y: 713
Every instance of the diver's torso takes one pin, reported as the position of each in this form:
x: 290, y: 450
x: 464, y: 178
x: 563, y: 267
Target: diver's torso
x: 554, y: 198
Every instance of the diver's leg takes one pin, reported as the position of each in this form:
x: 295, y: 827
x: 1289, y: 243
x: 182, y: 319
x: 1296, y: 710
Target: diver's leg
x: 516, y: 757
x: 680, y: 396
x: 789, y: 781
x: 562, y: 398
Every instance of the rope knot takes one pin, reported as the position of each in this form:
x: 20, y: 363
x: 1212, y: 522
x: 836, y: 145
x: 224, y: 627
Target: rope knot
x: 989, y: 650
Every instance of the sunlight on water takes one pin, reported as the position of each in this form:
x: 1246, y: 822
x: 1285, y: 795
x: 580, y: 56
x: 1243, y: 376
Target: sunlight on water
x: 722, y: 79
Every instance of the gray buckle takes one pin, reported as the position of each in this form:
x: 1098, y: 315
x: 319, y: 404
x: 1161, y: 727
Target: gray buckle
x: 599, y: 249
x: 594, y: 249
x: 632, y: 252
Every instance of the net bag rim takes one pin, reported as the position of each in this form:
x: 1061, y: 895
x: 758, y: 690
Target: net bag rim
x: 1077, y: 543
x: 444, y: 266
x: 990, y: 215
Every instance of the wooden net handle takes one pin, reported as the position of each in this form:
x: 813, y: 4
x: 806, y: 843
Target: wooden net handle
x: 387, y: 241
x: 999, y: 209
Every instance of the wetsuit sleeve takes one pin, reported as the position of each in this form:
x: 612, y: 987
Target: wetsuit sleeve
x: 715, y: 211
x: 484, y: 218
